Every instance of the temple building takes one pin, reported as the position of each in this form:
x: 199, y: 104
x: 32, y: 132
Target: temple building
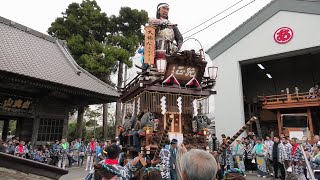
x: 40, y: 83
x: 266, y: 68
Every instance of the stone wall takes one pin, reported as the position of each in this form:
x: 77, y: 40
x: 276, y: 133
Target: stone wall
x: 11, y: 174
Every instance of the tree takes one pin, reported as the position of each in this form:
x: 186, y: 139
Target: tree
x: 72, y: 135
x: 127, y: 31
x: 89, y: 33
x: 12, y: 126
x: 98, y: 43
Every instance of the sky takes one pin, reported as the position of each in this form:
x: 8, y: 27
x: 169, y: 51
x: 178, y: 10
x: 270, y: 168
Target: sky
x: 39, y: 14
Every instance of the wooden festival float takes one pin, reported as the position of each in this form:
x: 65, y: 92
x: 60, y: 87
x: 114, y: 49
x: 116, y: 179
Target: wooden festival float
x: 170, y: 96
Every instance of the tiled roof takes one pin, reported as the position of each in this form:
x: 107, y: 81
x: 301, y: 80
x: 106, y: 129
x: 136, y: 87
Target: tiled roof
x: 30, y: 53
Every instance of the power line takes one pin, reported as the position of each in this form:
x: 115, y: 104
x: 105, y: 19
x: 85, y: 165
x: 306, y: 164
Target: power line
x: 221, y: 19
x: 213, y: 17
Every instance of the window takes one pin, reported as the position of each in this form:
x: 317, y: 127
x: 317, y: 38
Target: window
x: 50, y: 129
x: 295, y: 121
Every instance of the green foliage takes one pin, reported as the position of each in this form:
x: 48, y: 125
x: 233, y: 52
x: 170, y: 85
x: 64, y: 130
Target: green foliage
x: 12, y: 126
x: 89, y: 32
x: 111, y: 134
x: 72, y: 130
x: 90, y: 123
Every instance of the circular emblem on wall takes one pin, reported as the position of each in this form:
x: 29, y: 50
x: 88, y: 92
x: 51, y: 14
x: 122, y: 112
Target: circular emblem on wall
x: 283, y: 35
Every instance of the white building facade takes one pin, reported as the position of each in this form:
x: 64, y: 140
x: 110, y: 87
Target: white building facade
x: 260, y: 38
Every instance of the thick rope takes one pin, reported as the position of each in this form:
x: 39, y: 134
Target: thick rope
x: 163, y: 138
x: 112, y: 171
x: 225, y: 146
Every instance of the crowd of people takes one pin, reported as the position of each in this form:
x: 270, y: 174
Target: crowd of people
x: 174, y: 162
x: 268, y: 156
x: 58, y: 154
x: 112, y: 159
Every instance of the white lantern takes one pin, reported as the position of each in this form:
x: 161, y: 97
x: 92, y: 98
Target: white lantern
x: 213, y: 71
x: 161, y: 65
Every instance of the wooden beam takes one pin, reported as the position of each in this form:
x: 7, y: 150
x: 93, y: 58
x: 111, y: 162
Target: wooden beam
x: 35, y: 130
x: 180, y: 91
x: 5, y: 129
x: 291, y: 105
x: 79, y: 122
x: 279, y: 121
x: 18, y: 127
x: 65, y: 124
x: 310, y: 121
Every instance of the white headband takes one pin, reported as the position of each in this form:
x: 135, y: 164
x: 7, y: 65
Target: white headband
x: 163, y: 5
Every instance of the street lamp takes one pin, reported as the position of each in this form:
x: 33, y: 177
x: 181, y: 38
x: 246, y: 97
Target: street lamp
x: 213, y: 71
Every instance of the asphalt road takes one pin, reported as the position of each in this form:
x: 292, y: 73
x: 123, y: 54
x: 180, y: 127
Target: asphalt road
x: 76, y: 173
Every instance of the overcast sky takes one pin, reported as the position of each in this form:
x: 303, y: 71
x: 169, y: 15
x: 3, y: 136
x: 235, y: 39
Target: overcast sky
x: 39, y: 14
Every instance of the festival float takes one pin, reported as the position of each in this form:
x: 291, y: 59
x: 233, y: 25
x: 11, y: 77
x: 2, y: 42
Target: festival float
x: 169, y: 96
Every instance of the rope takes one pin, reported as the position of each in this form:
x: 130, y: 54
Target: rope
x: 224, y: 147
x: 151, y: 168
x: 162, y: 141
x: 112, y: 171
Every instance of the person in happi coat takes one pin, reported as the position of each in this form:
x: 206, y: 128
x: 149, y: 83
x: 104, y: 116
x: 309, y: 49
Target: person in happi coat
x: 238, y: 154
x: 90, y: 154
x: 297, y: 161
x: 226, y: 160
x: 82, y: 152
x: 269, y: 143
x: 99, y: 151
x: 248, y: 147
x: 307, y: 146
x: 110, y: 168
x: 288, y: 149
x: 76, y: 146
x: 278, y: 156
x: 63, y: 150
x: 71, y: 154
x: 11, y: 148
x: 163, y: 162
x: 21, y: 150
x: 54, y: 153
x: 315, y: 160
x: 260, y: 151
x: 134, y: 165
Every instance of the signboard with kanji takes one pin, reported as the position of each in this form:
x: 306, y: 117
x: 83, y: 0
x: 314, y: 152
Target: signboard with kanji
x: 149, y: 45
x: 15, y: 103
x: 183, y: 73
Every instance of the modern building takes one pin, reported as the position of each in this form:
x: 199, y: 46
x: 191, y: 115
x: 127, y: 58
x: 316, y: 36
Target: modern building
x: 267, y: 66
x: 40, y: 83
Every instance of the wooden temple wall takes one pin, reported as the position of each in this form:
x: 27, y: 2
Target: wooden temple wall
x: 39, y: 120
x: 151, y: 102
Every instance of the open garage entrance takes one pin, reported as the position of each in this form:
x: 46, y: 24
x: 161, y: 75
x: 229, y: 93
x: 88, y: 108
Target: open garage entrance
x: 277, y: 86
